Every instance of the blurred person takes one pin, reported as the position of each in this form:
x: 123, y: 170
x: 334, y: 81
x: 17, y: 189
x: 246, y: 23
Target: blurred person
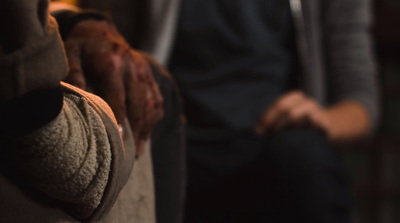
x: 267, y: 87
x: 63, y: 158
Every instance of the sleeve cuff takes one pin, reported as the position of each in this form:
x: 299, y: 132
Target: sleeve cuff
x: 67, y: 19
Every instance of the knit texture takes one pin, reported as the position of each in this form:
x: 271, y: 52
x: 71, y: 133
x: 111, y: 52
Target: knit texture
x: 68, y: 159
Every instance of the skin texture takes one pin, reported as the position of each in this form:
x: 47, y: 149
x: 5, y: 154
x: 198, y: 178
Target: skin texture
x: 103, y: 63
x: 344, y: 121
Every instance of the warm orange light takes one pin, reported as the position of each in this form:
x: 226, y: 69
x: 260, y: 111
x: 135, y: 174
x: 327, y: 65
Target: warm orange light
x: 72, y: 2
x: 63, y: 4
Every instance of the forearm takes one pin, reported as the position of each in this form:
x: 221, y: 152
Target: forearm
x: 348, y: 120
x: 352, y: 70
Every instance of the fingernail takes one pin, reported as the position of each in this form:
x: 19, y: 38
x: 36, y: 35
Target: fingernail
x: 121, y: 130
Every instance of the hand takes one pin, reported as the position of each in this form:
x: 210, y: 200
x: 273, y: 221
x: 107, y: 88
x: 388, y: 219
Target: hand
x: 102, y: 62
x: 294, y: 108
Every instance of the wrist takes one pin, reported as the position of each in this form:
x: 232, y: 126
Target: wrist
x: 347, y: 121
x: 331, y: 125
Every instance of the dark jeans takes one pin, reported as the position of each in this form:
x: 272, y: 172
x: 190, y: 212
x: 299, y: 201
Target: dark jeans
x: 294, y: 176
x: 168, y: 153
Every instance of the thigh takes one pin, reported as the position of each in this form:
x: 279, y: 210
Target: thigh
x: 294, y: 176
x: 309, y: 175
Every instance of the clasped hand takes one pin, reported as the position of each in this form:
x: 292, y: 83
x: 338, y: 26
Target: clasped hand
x: 103, y: 63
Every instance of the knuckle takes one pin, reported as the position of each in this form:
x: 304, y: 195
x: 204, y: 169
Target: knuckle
x: 293, y: 114
x: 312, y: 103
x: 160, y: 102
x: 298, y: 93
x: 281, y: 105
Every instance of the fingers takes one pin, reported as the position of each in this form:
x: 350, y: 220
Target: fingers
x: 135, y: 96
x: 309, y: 112
x: 75, y: 73
x: 144, y: 100
x: 275, y: 116
x: 112, y: 90
x: 291, y: 109
x: 153, y: 108
x: 154, y: 104
x: 105, y: 75
x: 102, y: 62
x: 97, y: 62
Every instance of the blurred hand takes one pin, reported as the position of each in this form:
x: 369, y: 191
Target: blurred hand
x: 294, y: 108
x: 103, y: 63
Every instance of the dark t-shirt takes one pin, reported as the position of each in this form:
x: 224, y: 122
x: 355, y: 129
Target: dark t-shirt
x: 232, y: 59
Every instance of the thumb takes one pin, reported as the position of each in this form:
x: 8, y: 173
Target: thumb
x: 75, y: 73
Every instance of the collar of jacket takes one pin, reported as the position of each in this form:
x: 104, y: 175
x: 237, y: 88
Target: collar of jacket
x: 296, y: 8
x: 310, y: 81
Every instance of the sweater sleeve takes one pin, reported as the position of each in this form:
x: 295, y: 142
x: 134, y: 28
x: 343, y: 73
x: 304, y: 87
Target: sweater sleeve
x: 77, y: 158
x: 351, y: 63
x: 73, y: 154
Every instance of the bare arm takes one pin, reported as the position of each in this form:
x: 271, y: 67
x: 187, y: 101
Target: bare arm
x: 353, y: 108
x: 344, y: 121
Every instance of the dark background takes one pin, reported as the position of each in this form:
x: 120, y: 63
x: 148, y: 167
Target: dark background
x: 375, y: 165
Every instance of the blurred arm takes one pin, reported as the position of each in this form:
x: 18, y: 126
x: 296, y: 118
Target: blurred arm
x: 352, y: 72
x: 344, y: 121
x: 353, y: 109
